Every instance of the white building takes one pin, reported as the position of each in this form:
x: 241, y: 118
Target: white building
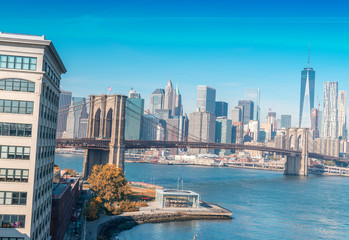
x: 206, y: 99
x: 30, y: 73
x: 202, y: 126
x: 342, y: 114
x: 330, y: 111
x: 253, y: 126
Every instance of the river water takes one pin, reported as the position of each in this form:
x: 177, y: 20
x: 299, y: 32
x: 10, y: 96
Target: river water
x: 265, y: 205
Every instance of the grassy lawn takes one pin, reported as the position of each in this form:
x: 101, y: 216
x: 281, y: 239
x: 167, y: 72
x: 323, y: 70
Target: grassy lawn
x: 141, y: 194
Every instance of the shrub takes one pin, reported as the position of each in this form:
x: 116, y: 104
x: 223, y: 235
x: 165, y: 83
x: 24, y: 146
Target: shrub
x: 92, y: 208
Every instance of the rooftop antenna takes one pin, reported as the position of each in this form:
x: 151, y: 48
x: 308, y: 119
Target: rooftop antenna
x: 308, y: 55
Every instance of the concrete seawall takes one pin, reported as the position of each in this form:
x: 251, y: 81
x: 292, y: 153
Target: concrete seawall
x: 121, y: 223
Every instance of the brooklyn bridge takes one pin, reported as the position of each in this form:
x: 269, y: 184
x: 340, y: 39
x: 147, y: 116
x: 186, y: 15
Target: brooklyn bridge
x: 105, y: 142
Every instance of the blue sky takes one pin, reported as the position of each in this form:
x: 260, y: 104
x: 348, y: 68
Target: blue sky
x: 228, y: 45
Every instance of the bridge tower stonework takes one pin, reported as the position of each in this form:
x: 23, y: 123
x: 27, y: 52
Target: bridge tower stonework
x: 297, y: 139
x: 106, y: 121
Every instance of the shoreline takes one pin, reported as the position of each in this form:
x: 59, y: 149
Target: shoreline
x: 115, y: 226
x: 244, y: 167
x: 107, y: 226
x: 203, y: 165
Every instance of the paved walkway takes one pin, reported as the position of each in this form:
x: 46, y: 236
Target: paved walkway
x: 206, y: 209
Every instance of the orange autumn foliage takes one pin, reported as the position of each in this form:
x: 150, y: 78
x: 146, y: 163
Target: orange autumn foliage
x: 109, y: 183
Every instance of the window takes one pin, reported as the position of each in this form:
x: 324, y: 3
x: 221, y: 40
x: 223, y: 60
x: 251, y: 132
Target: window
x: 17, y: 62
x: 14, y: 106
x: 14, y: 175
x: 14, y: 152
x: 15, y: 129
x: 50, y: 73
x: 12, y: 221
x: 13, y: 198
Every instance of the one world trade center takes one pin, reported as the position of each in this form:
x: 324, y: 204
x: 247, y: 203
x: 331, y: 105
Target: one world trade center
x: 306, y: 97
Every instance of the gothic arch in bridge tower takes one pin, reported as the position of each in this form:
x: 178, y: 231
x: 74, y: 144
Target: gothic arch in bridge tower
x: 109, y: 121
x: 294, y: 139
x: 300, y: 142
x: 291, y: 142
x: 97, y: 123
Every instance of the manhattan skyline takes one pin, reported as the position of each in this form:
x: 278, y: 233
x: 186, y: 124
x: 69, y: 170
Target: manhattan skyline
x: 229, y: 47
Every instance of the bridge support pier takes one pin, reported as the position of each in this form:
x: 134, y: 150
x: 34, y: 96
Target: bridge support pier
x: 94, y: 157
x: 298, y: 165
x: 106, y: 120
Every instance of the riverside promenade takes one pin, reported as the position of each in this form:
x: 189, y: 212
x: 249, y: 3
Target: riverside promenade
x: 106, y: 225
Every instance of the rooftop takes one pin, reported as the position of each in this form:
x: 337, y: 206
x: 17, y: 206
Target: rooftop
x: 174, y: 192
x: 22, y: 36
x: 32, y: 40
x: 59, y: 188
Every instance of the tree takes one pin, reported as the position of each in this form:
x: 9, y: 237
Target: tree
x: 108, y: 182
x: 92, y: 208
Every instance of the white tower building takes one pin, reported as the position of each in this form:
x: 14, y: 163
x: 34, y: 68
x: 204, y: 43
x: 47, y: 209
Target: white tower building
x: 30, y: 74
x: 330, y: 111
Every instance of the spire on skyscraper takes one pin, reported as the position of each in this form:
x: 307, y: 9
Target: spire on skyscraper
x: 308, y: 55
x: 169, y: 83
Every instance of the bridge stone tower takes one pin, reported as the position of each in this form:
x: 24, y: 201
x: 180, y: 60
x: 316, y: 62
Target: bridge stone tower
x: 106, y: 121
x: 297, y: 139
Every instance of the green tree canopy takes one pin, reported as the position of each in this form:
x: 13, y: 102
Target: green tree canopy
x: 108, y: 182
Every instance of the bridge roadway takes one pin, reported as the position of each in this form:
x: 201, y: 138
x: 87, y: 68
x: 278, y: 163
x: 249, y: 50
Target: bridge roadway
x: 103, y: 144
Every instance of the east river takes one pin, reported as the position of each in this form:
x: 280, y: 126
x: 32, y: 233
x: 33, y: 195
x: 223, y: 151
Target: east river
x: 265, y: 205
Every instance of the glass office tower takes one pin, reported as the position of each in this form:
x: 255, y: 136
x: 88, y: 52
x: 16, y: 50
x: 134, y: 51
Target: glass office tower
x: 306, y: 97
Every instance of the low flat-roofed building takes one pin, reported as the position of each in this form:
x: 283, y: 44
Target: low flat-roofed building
x: 65, y: 195
x: 166, y: 198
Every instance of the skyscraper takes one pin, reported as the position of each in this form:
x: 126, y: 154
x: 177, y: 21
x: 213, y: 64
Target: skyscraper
x: 342, y: 114
x: 271, y: 119
x: 236, y: 114
x: 315, y: 122
x: 134, y: 116
x: 253, y: 94
x: 253, y: 127
x: 76, y: 114
x: 172, y: 101
x: 65, y: 98
x: 306, y: 96
x: 286, y: 121
x: 169, y: 93
x: 157, y: 100
x: 133, y: 94
x: 223, y: 134
x: 221, y: 109
x: 177, y: 103
x: 247, y: 113
x: 31, y: 69
x: 237, y: 133
x: 206, y: 99
x: 330, y: 111
x: 202, y: 127
x: 79, y: 104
